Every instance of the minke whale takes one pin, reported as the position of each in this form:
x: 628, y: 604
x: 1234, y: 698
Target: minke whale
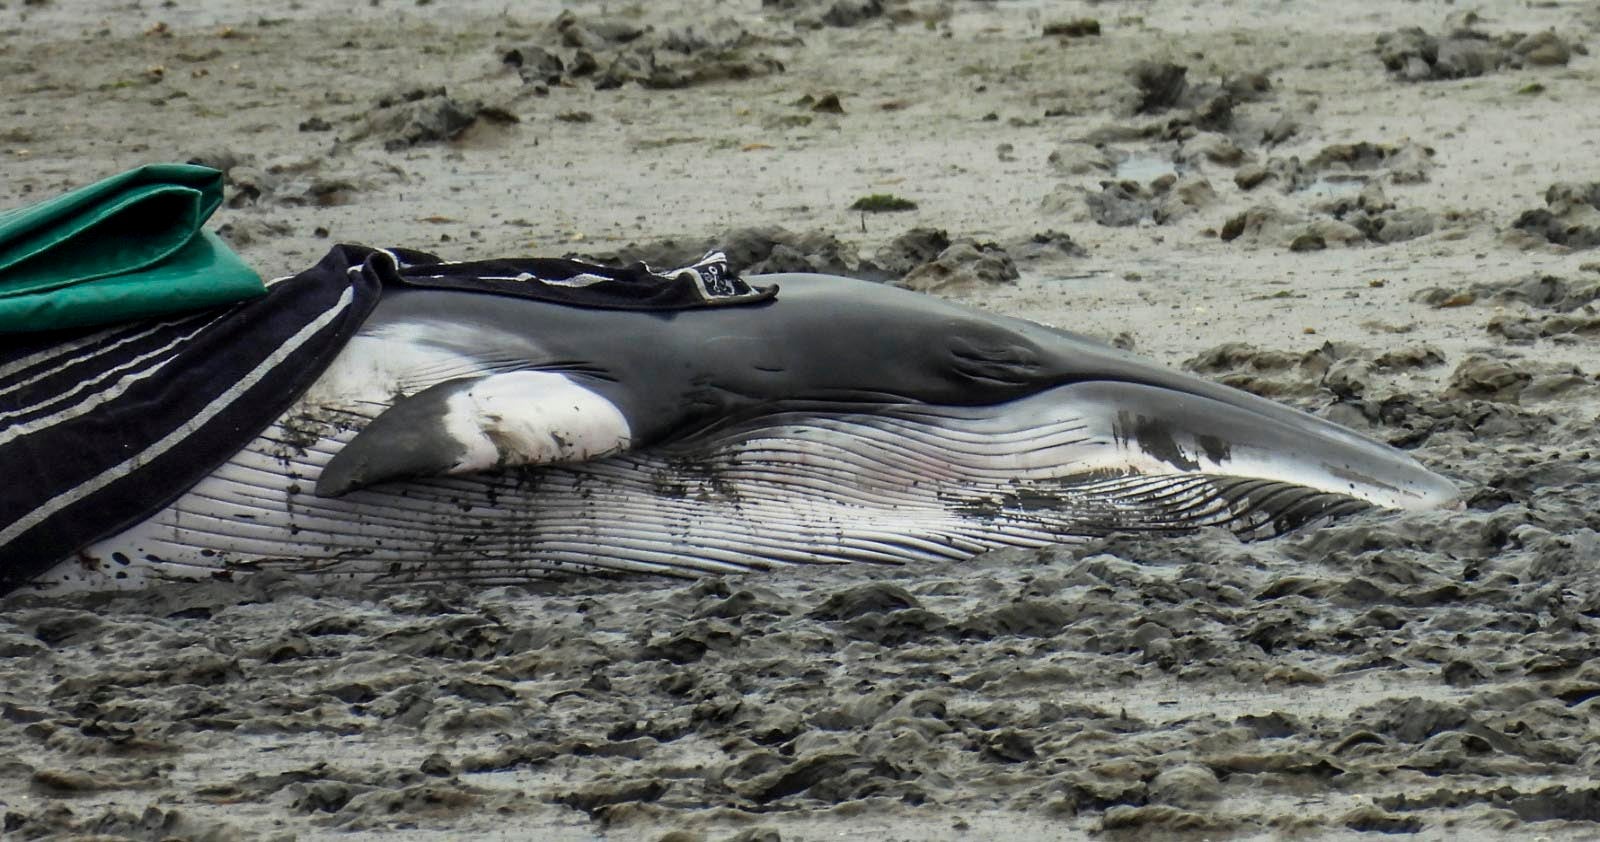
x: 471, y: 438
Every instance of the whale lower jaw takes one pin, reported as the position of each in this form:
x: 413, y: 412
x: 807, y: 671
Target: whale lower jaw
x: 810, y: 485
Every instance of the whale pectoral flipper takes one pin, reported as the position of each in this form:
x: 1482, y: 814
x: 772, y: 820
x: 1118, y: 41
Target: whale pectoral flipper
x: 478, y: 424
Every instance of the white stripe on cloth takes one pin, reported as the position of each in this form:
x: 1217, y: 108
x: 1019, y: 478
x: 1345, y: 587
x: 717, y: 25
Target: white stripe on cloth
x: 167, y: 442
x: 66, y: 349
x: 89, y: 404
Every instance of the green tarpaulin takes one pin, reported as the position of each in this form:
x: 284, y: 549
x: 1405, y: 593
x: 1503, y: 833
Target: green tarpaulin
x: 128, y: 247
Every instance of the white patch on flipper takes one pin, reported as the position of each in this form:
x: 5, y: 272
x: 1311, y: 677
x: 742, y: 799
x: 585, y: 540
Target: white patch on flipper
x: 532, y: 418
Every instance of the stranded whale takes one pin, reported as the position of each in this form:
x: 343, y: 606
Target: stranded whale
x: 467, y: 437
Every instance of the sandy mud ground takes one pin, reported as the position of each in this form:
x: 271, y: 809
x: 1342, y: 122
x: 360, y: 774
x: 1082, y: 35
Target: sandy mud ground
x: 1382, y: 212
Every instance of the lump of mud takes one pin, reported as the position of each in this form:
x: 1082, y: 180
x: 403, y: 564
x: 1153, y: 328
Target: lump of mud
x: 1400, y: 225
x: 423, y: 115
x: 1120, y: 204
x: 1268, y: 373
x: 1160, y: 84
x: 1414, y: 55
x: 244, y: 232
x: 1045, y: 245
x: 1349, y: 374
x: 1166, y: 199
x: 813, y: 251
x: 1075, y: 28
x: 704, y: 68
x: 909, y: 250
x: 1289, y: 174
x: 1542, y: 292
x: 1080, y: 159
x: 595, y: 34
x: 878, y: 597
x: 294, y: 182
x: 1267, y: 225
x: 1185, y: 786
x: 1367, y: 216
x: 816, y: 14
x: 1405, y: 163
x: 719, y: 34
x: 55, y: 821
x: 1159, y: 820
x: 1248, y: 86
x: 1537, y: 292
x: 1570, y: 217
x: 1160, y: 87
x: 1214, y: 147
x: 535, y: 64
x: 617, y: 52
x: 851, y: 12
x: 1544, y: 49
x: 1486, y: 378
x: 1259, y: 223
x: 964, y: 265
x: 1371, y: 217
x: 1525, y: 329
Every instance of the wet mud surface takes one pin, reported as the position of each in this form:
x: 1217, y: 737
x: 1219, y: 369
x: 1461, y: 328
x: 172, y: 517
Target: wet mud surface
x: 1379, y: 214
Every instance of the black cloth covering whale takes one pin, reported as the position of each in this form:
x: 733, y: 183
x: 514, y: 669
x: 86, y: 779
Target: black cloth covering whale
x: 101, y: 428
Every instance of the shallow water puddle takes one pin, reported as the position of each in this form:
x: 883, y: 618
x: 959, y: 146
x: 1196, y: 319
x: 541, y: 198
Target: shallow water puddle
x: 1144, y: 168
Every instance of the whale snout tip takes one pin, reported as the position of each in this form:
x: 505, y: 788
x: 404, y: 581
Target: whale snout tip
x: 1429, y: 491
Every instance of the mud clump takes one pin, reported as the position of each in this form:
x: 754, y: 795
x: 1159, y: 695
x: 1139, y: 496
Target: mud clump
x: 1489, y: 379
x: 1075, y: 28
x: 1164, y: 88
x: 1164, y: 200
x: 963, y: 265
x: 1403, y: 163
x: 613, y: 52
x: 153, y: 823
x: 1532, y: 299
x: 819, y: 13
x: 535, y: 64
x: 424, y: 115
x: 1161, y: 85
x: 1571, y: 216
x: 906, y: 252
x: 1046, y: 245
x: 1414, y: 55
x: 1281, y: 374
x: 1358, y: 213
x: 1536, y: 292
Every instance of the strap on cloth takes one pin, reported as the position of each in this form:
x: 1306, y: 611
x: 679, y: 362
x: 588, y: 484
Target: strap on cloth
x: 707, y: 283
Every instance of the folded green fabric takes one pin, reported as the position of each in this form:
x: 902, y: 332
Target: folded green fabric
x: 128, y: 247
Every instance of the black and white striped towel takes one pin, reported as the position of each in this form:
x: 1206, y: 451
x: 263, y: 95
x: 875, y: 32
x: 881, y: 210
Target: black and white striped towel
x: 101, y: 428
